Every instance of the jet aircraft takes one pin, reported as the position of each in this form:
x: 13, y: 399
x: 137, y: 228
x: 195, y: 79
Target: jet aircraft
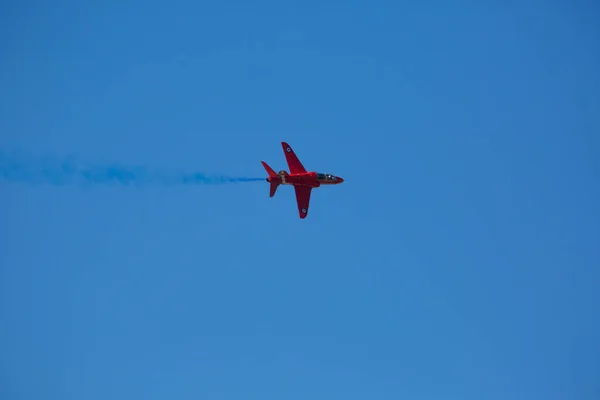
x: 304, y: 182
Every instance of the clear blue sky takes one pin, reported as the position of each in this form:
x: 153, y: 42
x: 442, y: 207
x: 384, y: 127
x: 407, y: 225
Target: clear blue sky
x: 459, y: 260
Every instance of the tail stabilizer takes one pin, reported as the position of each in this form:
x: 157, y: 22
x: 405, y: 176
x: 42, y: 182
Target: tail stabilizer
x: 273, y: 188
x: 274, y: 183
x: 269, y: 170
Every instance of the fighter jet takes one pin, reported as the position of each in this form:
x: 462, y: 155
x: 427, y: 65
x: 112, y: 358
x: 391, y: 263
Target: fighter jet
x: 298, y: 177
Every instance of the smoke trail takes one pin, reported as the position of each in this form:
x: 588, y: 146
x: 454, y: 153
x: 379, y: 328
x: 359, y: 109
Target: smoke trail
x: 45, y: 170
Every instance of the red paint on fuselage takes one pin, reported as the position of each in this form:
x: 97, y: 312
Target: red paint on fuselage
x: 310, y: 179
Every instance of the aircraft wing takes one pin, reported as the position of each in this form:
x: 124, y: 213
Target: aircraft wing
x: 294, y: 163
x: 303, y: 199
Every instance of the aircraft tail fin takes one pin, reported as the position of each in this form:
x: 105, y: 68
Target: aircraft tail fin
x: 269, y: 169
x: 273, y: 188
x: 274, y: 184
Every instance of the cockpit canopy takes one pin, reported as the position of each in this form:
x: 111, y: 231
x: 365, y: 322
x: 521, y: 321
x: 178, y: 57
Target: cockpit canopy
x: 326, y: 177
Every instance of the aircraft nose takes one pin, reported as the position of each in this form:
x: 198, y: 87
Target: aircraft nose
x: 340, y: 179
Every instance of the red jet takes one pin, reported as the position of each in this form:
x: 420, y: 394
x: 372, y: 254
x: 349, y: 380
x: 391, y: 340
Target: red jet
x: 303, y: 181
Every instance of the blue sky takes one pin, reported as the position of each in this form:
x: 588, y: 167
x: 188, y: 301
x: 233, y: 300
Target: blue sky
x: 459, y: 259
